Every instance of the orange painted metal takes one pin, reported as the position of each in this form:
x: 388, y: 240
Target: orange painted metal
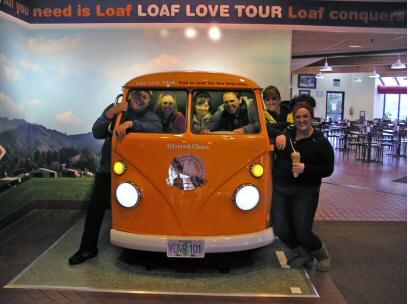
x: 208, y: 210
x: 191, y: 79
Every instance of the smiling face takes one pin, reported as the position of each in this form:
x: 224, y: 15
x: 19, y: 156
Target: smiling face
x: 167, y: 104
x: 231, y: 102
x: 201, y: 108
x: 139, y: 100
x: 272, y: 104
x: 303, y: 119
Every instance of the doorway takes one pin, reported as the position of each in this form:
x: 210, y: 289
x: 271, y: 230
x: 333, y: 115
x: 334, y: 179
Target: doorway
x: 334, y: 105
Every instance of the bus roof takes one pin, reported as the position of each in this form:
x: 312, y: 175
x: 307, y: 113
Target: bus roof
x: 191, y: 79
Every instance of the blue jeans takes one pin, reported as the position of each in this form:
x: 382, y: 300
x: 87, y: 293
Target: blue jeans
x: 293, y: 211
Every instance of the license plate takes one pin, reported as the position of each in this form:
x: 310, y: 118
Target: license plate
x: 185, y: 248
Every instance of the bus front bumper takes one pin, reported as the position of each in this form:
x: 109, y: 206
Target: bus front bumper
x: 225, y: 243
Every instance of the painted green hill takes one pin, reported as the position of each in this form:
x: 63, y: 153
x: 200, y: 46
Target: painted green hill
x: 54, y: 189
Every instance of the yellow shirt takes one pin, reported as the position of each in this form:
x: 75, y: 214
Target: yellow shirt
x: 289, y: 118
x: 269, y: 118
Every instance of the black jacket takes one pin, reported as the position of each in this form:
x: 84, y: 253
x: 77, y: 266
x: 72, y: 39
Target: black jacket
x: 276, y: 129
x: 143, y: 121
x: 315, y: 152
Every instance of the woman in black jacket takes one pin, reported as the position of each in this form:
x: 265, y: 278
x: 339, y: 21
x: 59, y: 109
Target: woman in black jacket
x: 297, y: 187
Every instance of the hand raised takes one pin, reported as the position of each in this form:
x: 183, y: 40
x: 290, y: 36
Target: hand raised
x: 120, y: 107
x: 121, y: 130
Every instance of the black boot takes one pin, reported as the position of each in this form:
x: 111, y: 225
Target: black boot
x: 323, y: 258
x: 82, y: 255
x: 302, y: 257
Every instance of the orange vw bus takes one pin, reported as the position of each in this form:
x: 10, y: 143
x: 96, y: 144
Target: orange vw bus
x: 197, y: 191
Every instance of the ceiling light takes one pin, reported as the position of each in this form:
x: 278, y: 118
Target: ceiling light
x: 191, y: 33
x: 164, y: 33
x: 319, y: 76
x: 374, y: 74
x: 398, y: 65
x: 326, y: 67
x: 214, y: 33
x: 355, y: 46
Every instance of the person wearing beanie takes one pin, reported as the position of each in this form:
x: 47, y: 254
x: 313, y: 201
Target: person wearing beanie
x: 297, y: 174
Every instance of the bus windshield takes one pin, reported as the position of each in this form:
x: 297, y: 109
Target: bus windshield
x: 168, y: 105
x: 224, y: 112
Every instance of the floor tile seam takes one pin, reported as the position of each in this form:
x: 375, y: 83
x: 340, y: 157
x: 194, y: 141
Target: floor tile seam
x: 367, y: 189
x: 364, y: 208
x: 363, y: 203
x: 339, y: 188
x: 53, y: 294
x: 359, y: 212
x: 363, y: 220
x: 35, y: 294
x: 73, y: 295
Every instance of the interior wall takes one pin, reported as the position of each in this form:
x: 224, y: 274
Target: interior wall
x: 358, y: 95
x: 67, y: 76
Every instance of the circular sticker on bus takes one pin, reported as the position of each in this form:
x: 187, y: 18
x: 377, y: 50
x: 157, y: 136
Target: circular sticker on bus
x: 186, y: 172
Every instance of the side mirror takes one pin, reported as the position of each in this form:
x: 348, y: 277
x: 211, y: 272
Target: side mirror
x: 119, y: 99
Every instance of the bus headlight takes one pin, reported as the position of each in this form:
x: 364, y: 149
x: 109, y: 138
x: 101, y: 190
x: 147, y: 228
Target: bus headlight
x: 128, y: 195
x: 119, y: 167
x: 257, y: 170
x: 246, y: 197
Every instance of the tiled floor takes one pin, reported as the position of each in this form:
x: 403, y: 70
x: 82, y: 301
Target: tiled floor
x: 356, y: 191
x: 360, y: 191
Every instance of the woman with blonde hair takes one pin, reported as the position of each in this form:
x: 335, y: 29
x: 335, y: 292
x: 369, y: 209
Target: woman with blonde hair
x: 166, y: 108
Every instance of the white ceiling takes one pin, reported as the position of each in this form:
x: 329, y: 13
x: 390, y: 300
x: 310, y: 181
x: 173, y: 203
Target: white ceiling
x: 309, y: 48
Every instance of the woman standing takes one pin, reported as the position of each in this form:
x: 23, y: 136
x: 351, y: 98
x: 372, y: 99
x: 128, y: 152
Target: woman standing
x: 297, y: 178
x: 166, y: 108
x: 276, y: 114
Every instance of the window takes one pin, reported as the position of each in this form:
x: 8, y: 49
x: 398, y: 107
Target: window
x: 391, y: 106
x: 389, y: 81
x: 402, y: 81
x: 403, y: 107
x: 169, y: 106
x: 224, y: 112
x: 395, y: 105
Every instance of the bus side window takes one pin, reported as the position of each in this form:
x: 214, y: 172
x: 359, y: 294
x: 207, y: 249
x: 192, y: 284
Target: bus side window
x: 202, y: 111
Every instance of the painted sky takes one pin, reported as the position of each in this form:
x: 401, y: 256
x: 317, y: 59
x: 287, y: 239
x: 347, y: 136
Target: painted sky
x: 63, y: 78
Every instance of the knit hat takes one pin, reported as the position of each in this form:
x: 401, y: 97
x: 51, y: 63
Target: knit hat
x: 305, y: 105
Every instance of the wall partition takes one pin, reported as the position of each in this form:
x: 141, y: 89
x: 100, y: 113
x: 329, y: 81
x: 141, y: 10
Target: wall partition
x: 62, y: 77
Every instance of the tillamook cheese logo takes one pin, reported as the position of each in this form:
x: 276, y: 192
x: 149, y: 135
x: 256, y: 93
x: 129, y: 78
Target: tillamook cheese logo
x: 187, y: 146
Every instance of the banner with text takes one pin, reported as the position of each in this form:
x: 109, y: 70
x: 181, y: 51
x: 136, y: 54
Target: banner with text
x: 319, y: 13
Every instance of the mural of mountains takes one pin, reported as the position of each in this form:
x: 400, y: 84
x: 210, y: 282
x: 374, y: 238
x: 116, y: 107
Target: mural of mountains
x: 22, y: 139
x: 7, y: 124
